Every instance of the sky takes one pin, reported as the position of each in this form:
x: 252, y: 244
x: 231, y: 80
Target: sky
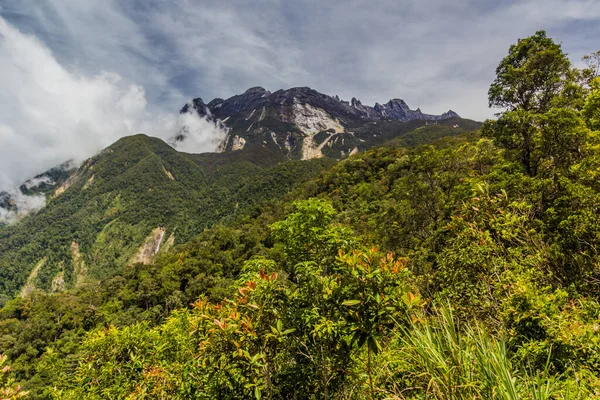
x: 75, y: 75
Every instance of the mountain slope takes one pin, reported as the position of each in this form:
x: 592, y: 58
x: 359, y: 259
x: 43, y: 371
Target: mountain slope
x: 93, y: 211
x: 141, y: 229
x: 129, y: 202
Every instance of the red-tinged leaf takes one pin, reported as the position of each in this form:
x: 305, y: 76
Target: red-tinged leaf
x: 220, y: 324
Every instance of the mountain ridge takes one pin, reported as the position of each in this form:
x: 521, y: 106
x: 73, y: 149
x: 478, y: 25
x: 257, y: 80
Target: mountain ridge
x: 288, y: 121
x: 394, y: 109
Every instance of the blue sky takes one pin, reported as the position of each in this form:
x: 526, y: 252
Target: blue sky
x: 97, y: 70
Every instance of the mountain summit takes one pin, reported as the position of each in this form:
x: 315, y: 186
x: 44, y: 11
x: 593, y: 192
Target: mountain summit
x: 302, y: 123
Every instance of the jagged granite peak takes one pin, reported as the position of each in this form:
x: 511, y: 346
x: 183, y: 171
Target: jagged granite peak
x: 397, y: 109
x: 215, y: 102
x: 257, y: 89
x: 199, y: 106
x: 450, y: 114
x: 304, y: 123
x: 257, y: 97
x: 252, y: 97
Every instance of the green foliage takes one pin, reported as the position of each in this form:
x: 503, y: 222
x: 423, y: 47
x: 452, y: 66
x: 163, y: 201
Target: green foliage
x: 8, y: 390
x: 546, y: 143
x: 592, y: 71
x: 541, y: 126
x: 118, y: 197
x: 535, y: 71
x: 464, y: 268
x: 306, y: 236
x: 270, y: 333
x: 109, y: 219
x: 591, y: 109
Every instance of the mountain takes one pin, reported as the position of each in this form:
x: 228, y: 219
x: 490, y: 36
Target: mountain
x: 301, y: 123
x: 137, y: 195
x: 141, y: 228
x: 137, y: 231
x: 141, y: 195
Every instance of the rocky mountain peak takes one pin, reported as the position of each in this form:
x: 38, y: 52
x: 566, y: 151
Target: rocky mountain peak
x: 258, y: 97
x: 397, y: 104
x: 450, y: 114
x: 257, y: 89
x: 198, y: 105
x: 289, y: 120
x: 214, y: 102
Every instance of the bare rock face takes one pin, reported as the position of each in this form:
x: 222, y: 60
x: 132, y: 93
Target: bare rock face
x: 257, y: 97
x: 300, y: 122
x: 30, y: 283
x: 79, y: 268
x: 150, y: 247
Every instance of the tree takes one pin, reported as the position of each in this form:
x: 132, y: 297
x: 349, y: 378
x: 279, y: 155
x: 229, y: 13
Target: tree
x: 591, y: 109
x: 541, y: 125
x: 515, y: 131
x: 308, y: 234
x: 377, y: 299
x: 592, y: 71
x: 535, y: 71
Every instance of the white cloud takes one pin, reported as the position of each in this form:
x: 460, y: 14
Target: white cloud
x: 35, y: 182
x: 23, y: 205
x: 49, y: 114
x: 199, y: 133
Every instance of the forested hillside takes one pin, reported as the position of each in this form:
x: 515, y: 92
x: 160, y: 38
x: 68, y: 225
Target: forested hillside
x: 435, y: 266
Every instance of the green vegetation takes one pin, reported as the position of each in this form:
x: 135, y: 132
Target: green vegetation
x: 464, y: 268
x: 117, y: 198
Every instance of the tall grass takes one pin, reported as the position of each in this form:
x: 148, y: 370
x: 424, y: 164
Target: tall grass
x: 468, y: 363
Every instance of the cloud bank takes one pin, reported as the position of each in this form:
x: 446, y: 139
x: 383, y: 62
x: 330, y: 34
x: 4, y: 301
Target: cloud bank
x: 49, y: 114
x: 21, y: 205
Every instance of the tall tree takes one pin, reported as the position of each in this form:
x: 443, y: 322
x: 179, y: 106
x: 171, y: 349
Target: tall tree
x: 591, y: 109
x: 537, y: 87
x: 535, y: 71
x: 592, y: 70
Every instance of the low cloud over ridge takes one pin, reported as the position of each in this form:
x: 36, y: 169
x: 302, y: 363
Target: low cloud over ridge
x: 50, y: 114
